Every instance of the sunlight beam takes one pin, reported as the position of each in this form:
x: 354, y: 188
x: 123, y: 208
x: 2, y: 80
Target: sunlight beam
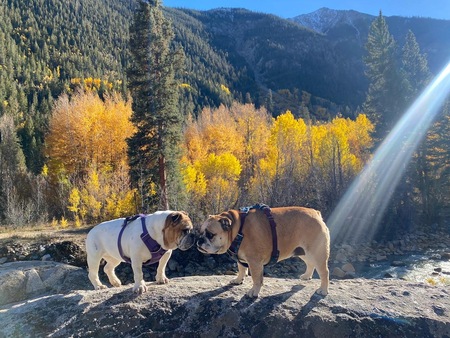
x: 358, y: 214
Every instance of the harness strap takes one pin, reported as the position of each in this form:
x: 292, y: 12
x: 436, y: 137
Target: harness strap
x: 234, y: 247
x: 119, y: 239
x: 155, y: 249
x: 273, y: 227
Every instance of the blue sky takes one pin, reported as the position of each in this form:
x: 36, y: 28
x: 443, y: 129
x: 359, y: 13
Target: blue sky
x: 439, y: 9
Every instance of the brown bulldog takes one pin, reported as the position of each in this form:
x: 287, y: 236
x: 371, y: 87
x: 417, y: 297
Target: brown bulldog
x: 299, y: 232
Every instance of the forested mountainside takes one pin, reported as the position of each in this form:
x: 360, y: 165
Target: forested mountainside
x: 51, y: 46
x: 264, y: 52
x: 47, y: 43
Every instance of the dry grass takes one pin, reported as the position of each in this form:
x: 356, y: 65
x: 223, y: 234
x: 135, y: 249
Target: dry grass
x: 44, y: 233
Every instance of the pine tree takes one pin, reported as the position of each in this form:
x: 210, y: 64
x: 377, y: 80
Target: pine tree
x: 415, y: 66
x: 152, y: 150
x: 385, y: 97
x: 12, y: 162
x: 427, y: 176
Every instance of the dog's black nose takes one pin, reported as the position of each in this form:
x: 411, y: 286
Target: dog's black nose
x: 200, y: 241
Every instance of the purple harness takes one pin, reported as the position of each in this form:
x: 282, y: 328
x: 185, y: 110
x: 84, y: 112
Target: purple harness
x: 155, y: 249
x: 234, y: 247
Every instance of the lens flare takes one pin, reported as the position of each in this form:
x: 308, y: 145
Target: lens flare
x: 358, y: 214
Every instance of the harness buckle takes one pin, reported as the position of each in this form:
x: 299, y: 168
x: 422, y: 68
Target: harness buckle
x: 239, y: 238
x: 145, y: 236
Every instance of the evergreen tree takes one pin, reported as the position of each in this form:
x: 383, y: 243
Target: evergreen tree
x: 152, y: 150
x: 427, y: 174
x: 385, y: 97
x: 12, y: 162
x: 415, y: 66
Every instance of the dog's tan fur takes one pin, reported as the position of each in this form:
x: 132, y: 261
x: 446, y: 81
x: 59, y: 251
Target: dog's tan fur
x: 300, y: 231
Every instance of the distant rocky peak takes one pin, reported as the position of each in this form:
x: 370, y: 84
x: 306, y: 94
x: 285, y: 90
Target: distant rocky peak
x: 324, y: 19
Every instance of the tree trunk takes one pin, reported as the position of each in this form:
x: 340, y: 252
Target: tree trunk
x: 164, y: 200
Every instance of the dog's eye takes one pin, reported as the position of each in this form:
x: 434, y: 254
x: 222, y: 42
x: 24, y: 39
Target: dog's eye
x: 209, y: 235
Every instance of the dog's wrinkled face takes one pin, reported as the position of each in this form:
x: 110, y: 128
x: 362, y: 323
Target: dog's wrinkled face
x: 214, y: 235
x: 178, y: 231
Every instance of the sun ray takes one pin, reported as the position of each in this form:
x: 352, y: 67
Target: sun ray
x: 358, y: 214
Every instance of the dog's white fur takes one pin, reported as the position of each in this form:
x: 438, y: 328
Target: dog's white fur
x: 101, y: 242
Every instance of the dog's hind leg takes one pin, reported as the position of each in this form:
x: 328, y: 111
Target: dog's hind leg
x: 111, y: 264
x: 93, y: 260
x: 322, y: 269
x: 309, y: 268
x: 241, y: 275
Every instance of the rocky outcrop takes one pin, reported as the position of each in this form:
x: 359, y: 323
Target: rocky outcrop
x: 26, y: 279
x: 207, y: 306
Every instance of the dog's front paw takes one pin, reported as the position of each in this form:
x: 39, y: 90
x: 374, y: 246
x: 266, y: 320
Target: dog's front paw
x: 162, y: 280
x: 140, y: 288
x: 236, y: 281
x: 305, y: 277
x: 100, y: 287
x: 253, y: 292
x: 116, y: 283
x: 322, y: 292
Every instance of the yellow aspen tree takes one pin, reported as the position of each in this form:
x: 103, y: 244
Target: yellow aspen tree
x: 254, y: 126
x: 285, y: 165
x: 91, y: 195
x: 221, y: 174
x: 220, y: 132
x: 360, y: 138
x: 214, y: 137
x: 340, y: 148
x: 86, y: 146
x: 74, y: 206
x: 86, y: 130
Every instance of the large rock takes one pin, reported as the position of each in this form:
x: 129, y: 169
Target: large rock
x: 26, y: 279
x: 210, y: 307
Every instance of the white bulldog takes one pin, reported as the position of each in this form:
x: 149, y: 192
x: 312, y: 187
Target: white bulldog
x: 170, y: 229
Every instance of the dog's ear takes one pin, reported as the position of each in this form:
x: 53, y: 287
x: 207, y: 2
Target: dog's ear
x: 176, y: 216
x: 225, y: 222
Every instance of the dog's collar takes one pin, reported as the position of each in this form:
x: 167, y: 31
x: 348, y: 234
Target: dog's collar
x: 234, y: 247
x: 153, y: 246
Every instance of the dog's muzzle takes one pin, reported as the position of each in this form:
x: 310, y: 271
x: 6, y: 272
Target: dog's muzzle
x: 187, y: 241
x: 201, y: 241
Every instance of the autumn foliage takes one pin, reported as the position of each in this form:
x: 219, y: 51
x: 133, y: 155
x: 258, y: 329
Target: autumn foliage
x: 87, y: 150
x: 236, y: 156
x: 232, y: 156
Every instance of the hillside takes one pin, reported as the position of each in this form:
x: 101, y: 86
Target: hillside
x: 313, y: 61
x: 44, y: 45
